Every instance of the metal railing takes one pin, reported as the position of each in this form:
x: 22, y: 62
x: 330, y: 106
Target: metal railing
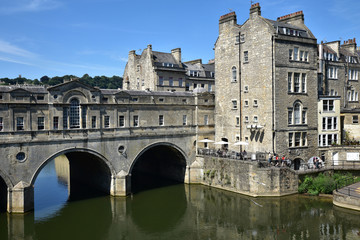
x: 345, y: 164
x: 342, y: 186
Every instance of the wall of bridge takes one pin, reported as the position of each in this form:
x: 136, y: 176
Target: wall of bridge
x: 20, y: 175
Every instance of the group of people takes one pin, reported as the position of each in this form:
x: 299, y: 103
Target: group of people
x: 277, y: 161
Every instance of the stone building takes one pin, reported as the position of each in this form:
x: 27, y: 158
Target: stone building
x: 267, y: 71
x: 338, y: 72
x: 159, y: 71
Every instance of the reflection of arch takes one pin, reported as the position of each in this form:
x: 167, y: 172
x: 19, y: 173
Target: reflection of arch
x: 158, y: 164
x: 3, y: 195
x: 74, y: 150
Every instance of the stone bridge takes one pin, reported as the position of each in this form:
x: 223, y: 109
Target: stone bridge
x: 112, y: 154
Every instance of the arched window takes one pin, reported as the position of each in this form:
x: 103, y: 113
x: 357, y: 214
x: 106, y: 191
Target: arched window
x: 74, y: 114
x: 297, y: 114
x: 233, y: 74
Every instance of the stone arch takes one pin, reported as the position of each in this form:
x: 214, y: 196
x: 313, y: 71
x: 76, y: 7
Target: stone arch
x: 75, y: 94
x: 93, y: 159
x: 158, y: 164
x: 297, y: 163
x: 5, y: 183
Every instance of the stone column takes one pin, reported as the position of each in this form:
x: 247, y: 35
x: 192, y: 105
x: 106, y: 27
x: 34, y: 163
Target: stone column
x: 120, y: 184
x: 21, y: 198
x: 195, y: 172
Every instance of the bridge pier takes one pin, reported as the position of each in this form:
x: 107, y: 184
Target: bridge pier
x: 120, y: 184
x: 21, y: 198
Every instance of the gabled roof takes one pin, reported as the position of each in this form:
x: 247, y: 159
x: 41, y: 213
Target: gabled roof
x: 73, y: 84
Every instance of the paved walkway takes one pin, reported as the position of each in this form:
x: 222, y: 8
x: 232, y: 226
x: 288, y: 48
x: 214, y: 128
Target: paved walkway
x: 351, y: 190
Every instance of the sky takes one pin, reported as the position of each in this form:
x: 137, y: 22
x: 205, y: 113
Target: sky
x: 77, y: 37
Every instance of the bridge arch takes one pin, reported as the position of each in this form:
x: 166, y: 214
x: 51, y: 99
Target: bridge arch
x: 87, y: 169
x: 158, y: 164
x: 5, y: 183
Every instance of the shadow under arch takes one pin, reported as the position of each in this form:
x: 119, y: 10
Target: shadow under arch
x: 157, y: 165
x: 90, y: 173
x: 5, y: 183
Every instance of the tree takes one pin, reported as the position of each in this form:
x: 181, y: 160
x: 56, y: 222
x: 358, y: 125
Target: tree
x: 44, y: 79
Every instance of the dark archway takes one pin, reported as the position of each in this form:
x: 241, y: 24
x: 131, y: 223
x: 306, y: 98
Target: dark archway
x: 159, y: 165
x: 297, y: 163
x: 3, y: 195
x: 89, y: 176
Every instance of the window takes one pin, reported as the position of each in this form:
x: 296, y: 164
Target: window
x: 184, y: 120
x: 19, y: 123
x: 161, y: 81
x: 352, y: 96
x: 161, y: 120
x: 296, y: 53
x: 291, y: 54
x: 297, y: 139
x: 1, y: 124
x: 246, y: 56
x: 194, y: 73
x: 328, y: 105
x: 180, y: 82
x: 187, y: 86
x: 332, y: 72
x: 40, y: 97
x: 121, y: 121
x: 203, y: 85
x: 136, y: 121
x: 297, y: 114
x: 65, y: 117
x: 329, y: 123
x: 355, y: 119
x: 93, y: 122
x: 83, y: 116
x: 237, y: 39
x: 237, y: 121
x: 306, y: 57
x: 234, y: 104
x: 255, y: 103
x: 161, y: 100
x: 74, y: 114
x: 142, y: 82
x: 303, y: 83
x: 138, y: 68
x: 106, y: 121
x: 41, y: 123
x: 195, y: 85
x: 246, y: 119
x: 135, y: 99
x: 294, y: 83
x: 246, y: 89
x: 255, y: 119
x: 242, y: 38
x: 209, y: 87
x: 233, y: 74
x: 171, y: 82
x: 301, y: 55
x: 290, y: 116
x: 246, y: 103
x: 206, y: 120
x: 353, y: 74
x: 327, y: 139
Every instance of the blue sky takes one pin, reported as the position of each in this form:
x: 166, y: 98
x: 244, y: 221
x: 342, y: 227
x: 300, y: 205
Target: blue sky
x: 60, y: 37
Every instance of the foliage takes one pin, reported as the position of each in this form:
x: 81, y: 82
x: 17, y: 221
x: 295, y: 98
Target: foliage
x: 103, y: 82
x: 324, y: 183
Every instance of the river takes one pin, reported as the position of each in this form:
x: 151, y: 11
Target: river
x: 176, y: 212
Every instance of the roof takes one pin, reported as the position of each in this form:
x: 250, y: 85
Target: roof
x: 276, y: 25
x: 163, y: 57
x: 28, y: 88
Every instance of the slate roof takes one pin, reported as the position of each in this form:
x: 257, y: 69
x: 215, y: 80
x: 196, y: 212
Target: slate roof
x: 163, y: 57
x: 29, y: 88
x: 277, y: 24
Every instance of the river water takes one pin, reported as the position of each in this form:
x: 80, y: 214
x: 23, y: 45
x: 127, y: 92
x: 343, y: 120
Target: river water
x: 176, y: 212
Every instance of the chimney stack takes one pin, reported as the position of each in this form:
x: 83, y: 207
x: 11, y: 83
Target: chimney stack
x: 255, y: 9
x: 176, y: 54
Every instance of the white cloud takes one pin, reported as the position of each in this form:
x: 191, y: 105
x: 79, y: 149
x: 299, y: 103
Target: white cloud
x: 16, y: 6
x: 8, y: 48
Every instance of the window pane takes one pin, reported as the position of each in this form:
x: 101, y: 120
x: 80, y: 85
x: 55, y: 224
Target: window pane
x: 74, y: 114
x: 297, y: 113
x: 296, y: 82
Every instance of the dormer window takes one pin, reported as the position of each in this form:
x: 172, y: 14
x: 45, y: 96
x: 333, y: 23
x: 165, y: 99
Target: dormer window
x: 194, y: 73
x: 168, y: 64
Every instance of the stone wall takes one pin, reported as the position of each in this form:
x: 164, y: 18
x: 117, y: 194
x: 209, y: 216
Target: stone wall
x: 247, y: 178
x: 345, y: 201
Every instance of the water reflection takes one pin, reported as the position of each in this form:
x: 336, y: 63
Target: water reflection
x: 179, y: 212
